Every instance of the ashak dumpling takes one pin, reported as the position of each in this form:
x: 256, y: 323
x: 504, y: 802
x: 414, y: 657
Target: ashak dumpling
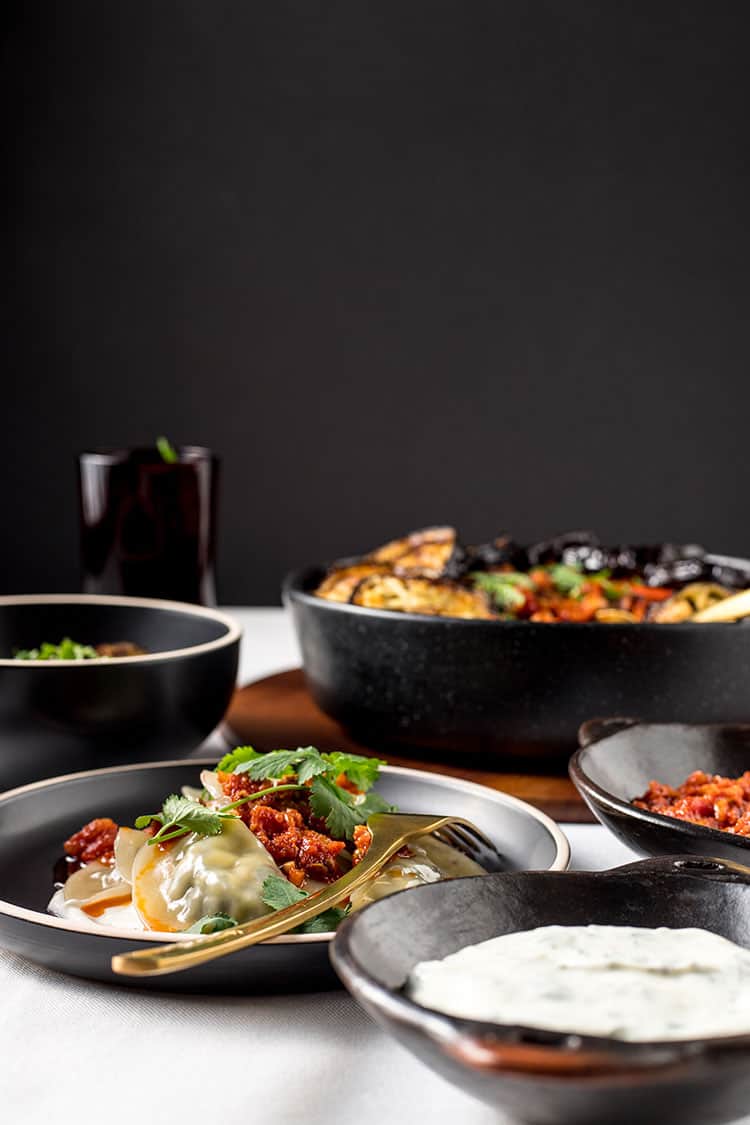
x: 177, y: 883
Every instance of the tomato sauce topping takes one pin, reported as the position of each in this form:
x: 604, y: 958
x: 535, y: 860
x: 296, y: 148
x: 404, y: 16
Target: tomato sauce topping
x: 288, y: 829
x: 96, y: 840
x: 711, y: 800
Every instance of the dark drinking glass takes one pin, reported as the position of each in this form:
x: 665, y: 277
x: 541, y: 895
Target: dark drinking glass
x: 148, y: 526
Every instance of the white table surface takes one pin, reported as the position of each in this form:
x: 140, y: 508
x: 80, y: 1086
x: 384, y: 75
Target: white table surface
x: 72, y: 1050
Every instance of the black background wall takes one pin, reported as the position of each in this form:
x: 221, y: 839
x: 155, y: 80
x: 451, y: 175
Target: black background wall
x: 397, y: 262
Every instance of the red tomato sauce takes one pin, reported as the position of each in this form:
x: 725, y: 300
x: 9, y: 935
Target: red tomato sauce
x: 711, y: 800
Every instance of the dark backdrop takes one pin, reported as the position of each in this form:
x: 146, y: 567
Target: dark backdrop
x: 398, y: 262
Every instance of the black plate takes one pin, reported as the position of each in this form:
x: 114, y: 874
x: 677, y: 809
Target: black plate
x: 551, y: 1077
x: 35, y: 820
x: 59, y: 715
x: 510, y: 687
x: 618, y: 759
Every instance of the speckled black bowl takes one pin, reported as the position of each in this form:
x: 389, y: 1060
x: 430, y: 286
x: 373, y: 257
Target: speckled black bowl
x: 550, y: 1077
x: 513, y: 687
x: 59, y: 716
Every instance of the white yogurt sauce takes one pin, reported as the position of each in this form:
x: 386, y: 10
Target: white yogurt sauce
x: 619, y: 981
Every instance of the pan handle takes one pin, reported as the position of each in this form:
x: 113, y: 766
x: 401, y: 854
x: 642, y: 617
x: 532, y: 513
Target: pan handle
x: 594, y: 730
x: 708, y: 866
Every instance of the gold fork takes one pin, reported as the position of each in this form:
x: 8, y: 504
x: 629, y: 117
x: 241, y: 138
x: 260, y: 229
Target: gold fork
x: 390, y: 832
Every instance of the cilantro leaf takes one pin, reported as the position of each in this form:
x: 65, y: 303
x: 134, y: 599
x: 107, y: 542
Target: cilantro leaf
x: 361, y: 771
x: 180, y: 815
x: 311, y: 766
x: 236, y: 757
x: 373, y: 803
x: 335, y: 806
x: 212, y: 924
x: 280, y: 763
x: 324, y: 923
x: 279, y: 892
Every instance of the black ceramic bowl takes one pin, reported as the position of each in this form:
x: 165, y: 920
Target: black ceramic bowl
x: 36, y: 819
x: 619, y: 757
x: 516, y: 687
x: 545, y: 1077
x: 58, y: 716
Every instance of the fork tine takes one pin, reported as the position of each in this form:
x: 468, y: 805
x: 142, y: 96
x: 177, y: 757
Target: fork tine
x: 469, y: 841
x: 474, y: 844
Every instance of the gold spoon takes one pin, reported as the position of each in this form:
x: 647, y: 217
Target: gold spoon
x: 390, y: 832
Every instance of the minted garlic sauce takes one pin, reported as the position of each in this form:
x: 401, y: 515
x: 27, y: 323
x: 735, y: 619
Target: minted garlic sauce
x: 625, y: 982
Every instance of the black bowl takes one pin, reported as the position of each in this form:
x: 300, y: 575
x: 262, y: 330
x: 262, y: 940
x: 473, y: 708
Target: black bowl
x: 35, y: 819
x: 619, y: 757
x: 516, y: 687
x: 58, y: 716
x: 551, y: 1077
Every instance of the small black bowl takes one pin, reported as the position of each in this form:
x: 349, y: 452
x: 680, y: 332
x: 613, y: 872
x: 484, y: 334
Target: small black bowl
x: 619, y: 757
x: 60, y: 716
x: 518, y: 688
x: 549, y: 1077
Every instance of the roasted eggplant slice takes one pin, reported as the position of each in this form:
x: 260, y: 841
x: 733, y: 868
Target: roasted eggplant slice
x: 340, y: 583
x: 423, y: 554
x: 682, y: 605
x: 420, y: 595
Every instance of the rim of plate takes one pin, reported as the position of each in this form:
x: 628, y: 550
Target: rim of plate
x: 37, y: 917
x: 233, y: 630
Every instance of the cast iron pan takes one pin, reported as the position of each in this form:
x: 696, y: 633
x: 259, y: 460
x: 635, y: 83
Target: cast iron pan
x: 550, y: 1077
x: 619, y: 757
x: 508, y: 687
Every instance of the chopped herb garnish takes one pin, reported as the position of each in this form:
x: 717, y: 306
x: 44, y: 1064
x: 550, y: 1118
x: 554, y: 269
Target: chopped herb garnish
x: 505, y: 589
x: 167, y: 452
x: 567, y: 579
x: 279, y: 893
x: 66, y: 650
x: 212, y: 924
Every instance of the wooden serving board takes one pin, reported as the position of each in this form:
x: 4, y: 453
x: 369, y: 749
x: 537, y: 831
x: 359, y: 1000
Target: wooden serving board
x: 279, y: 712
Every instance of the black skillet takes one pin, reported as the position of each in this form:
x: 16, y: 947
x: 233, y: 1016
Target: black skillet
x: 520, y: 688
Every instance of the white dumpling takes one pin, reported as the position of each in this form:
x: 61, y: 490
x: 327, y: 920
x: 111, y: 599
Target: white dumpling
x: 128, y: 842
x: 430, y: 861
x: 95, y: 893
x: 176, y: 883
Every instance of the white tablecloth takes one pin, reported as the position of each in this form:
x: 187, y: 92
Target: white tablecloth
x: 72, y: 1051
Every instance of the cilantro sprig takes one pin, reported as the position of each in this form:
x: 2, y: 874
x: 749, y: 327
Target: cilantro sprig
x: 278, y: 892
x: 180, y: 815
